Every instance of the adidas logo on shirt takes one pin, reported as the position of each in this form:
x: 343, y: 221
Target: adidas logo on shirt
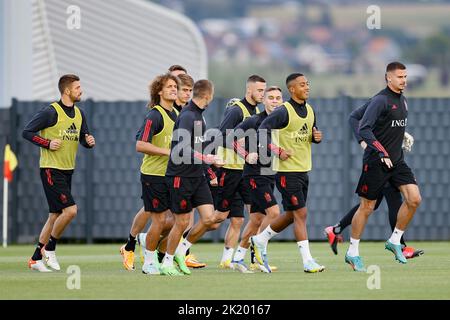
x: 302, y: 135
x: 70, y: 134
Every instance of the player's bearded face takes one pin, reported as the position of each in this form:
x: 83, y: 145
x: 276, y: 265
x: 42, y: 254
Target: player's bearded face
x: 75, y: 91
x: 257, y: 91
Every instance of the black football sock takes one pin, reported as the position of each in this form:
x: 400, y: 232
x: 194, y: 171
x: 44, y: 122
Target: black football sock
x: 185, y: 234
x: 51, y: 245
x: 131, y: 243
x: 161, y: 256
x: 37, y: 253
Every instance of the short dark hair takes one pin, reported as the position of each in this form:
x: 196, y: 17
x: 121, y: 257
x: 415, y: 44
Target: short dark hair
x: 177, y: 67
x: 273, y: 88
x: 255, y: 78
x: 66, y: 80
x: 202, y: 88
x: 293, y: 76
x: 395, y: 66
x: 185, y: 80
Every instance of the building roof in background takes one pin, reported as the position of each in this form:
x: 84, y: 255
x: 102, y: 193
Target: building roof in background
x: 120, y: 46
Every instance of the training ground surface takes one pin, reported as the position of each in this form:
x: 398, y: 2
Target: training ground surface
x: 103, y: 277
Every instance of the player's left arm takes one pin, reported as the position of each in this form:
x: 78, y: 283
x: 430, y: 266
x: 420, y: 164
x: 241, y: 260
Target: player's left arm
x: 316, y: 133
x: 86, y: 139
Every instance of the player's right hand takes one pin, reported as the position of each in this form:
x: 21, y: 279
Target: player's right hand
x: 214, y: 182
x: 387, y: 162
x: 363, y: 145
x: 55, y: 144
x: 252, y: 158
x: 285, y: 154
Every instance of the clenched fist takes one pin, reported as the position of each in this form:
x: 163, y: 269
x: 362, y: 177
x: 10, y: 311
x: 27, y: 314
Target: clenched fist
x: 317, y: 135
x: 90, y: 140
x: 55, y: 144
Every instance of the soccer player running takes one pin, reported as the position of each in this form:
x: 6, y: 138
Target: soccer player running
x: 186, y: 84
x: 231, y: 181
x: 393, y: 196
x: 62, y: 126
x: 141, y: 218
x: 382, y: 128
x: 153, y: 140
x: 259, y: 177
x: 294, y: 130
x: 185, y: 177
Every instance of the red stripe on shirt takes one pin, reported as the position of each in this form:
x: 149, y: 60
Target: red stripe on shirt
x: 275, y: 149
x: 211, y: 173
x: 41, y: 141
x: 148, y: 126
x: 380, y: 148
x: 49, y: 177
x: 239, y: 149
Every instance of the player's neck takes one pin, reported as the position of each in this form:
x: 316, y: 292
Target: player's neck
x: 299, y: 101
x: 66, y: 101
x: 199, y: 103
x: 168, y: 105
x: 395, y: 90
x: 250, y: 100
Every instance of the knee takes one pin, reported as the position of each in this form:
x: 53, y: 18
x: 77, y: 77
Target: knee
x: 71, y: 212
x: 211, y: 220
x: 220, y: 217
x: 273, y: 214
x: 181, y: 222
x: 301, y: 214
x: 237, y: 222
x: 213, y: 226
x: 367, y: 207
x: 414, y: 201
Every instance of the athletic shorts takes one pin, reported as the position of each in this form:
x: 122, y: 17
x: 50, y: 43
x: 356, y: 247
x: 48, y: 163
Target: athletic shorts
x: 57, y: 187
x: 230, y: 183
x: 261, y: 194
x: 155, y: 193
x: 293, y: 187
x: 237, y: 206
x: 375, y: 174
x: 187, y: 193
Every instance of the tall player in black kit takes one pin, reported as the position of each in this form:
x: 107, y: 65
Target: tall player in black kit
x: 382, y: 128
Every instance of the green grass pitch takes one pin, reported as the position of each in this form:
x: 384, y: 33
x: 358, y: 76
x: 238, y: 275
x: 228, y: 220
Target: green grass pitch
x: 103, y: 277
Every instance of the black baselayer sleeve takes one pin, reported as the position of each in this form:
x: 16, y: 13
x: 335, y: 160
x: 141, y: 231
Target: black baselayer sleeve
x: 315, y: 126
x: 354, y: 119
x: 153, y: 124
x: 45, y: 118
x: 232, y: 118
x: 375, y: 108
x: 278, y: 119
x: 84, y: 130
